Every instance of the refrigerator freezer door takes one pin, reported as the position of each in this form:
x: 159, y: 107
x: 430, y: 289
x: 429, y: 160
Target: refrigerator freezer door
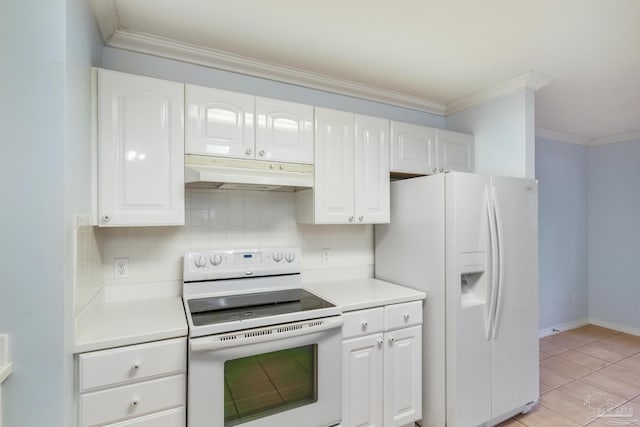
x: 515, y: 346
x: 468, y: 350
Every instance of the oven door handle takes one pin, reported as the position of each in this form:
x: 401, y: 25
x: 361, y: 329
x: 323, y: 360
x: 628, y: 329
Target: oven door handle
x: 269, y: 333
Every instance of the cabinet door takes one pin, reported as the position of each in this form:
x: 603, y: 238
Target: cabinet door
x: 413, y: 149
x: 334, y: 167
x: 403, y: 376
x: 141, y: 150
x: 284, y: 131
x: 362, y: 378
x: 371, y: 170
x: 220, y: 123
x: 454, y: 151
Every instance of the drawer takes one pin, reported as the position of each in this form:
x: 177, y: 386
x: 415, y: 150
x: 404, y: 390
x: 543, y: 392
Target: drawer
x: 130, y: 363
x: 362, y: 322
x: 134, y: 400
x: 402, y: 315
x: 172, y: 418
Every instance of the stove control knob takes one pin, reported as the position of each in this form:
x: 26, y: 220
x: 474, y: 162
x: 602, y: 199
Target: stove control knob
x: 200, y: 262
x: 216, y: 259
x: 277, y: 256
x: 290, y: 257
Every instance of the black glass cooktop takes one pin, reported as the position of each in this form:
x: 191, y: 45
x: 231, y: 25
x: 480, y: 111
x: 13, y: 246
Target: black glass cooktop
x: 207, y: 311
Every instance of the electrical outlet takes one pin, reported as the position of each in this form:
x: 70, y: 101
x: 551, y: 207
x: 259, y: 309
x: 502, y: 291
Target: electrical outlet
x: 325, y: 255
x: 120, y: 268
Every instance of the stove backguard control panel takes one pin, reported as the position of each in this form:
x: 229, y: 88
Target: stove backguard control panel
x: 224, y: 264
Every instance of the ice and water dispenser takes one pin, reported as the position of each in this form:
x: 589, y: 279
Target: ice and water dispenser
x: 473, y: 280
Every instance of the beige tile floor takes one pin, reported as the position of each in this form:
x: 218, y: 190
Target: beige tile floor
x: 588, y: 376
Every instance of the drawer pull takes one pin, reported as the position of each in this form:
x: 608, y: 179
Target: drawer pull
x: 364, y: 325
x: 134, y: 403
x: 406, y: 317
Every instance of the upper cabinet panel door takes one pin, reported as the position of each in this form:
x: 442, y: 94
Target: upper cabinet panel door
x: 284, y: 131
x: 141, y: 150
x: 334, y: 167
x: 412, y: 149
x: 220, y: 123
x: 455, y: 151
x: 371, y: 170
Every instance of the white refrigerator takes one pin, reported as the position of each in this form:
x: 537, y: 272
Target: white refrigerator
x: 471, y: 243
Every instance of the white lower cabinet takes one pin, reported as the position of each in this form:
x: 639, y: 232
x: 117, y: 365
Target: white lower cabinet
x: 140, y: 385
x: 382, y: 366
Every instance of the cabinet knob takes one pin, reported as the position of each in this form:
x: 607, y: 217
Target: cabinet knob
x: 106, y: 218
x: 271, y: 166
x: 380, y: 342
x: 134, y: 403
x: 360, y: 218
x: 435, y: 170
x: 441, y: 169
x: 281, y: 167
x: 364, y: 325
x: 248, y: 151
x: 135, y: 367
x: 261, y: 153
x: 391, y: 340
x: 406, y: 317
x: 350, y: 219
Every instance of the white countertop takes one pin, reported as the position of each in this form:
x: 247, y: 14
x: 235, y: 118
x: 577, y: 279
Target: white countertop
x: 359, y: 294
x: 123, y: 323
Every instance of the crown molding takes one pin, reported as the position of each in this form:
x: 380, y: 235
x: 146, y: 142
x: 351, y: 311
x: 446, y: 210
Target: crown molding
x: 171, y: 49
x: 529, y: 80
x: 623, y: 137
x: 556, y: 135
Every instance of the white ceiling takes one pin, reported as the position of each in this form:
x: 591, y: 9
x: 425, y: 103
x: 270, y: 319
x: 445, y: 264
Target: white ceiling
x: 428, y: 52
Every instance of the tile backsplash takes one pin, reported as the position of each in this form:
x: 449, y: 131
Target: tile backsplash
x: 228, y: 219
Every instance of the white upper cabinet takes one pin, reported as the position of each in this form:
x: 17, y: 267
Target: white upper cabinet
x: 422, y: 150
x: 455, y: 151
x: 230, y: 124
x: 351, y: 184
x: 334, y: 167
x: 140, y: 151
x: 413, y: 149
x: 371, y: 170
x: 219, y: 123
x: 284, y: 131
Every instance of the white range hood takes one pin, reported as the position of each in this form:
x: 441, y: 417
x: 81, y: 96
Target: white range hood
x: 246, y: 174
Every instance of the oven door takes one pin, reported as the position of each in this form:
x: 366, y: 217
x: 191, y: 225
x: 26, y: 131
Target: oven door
x: 283, y: 375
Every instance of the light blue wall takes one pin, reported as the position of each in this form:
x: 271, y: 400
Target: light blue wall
x: 561, y: 169
x: 45, y: 49
x: 32, y: 212
x: 152, y: 66
x: 503, y: 130
x: 614, y: 233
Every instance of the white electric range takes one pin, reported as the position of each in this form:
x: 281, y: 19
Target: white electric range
x: 263, y: 352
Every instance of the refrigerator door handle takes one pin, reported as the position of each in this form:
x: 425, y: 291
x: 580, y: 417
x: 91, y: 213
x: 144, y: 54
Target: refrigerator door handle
x: 500, y: 281
x: 492, y: 277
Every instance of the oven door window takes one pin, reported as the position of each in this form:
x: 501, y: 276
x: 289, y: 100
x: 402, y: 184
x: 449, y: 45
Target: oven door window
x: 264, y: 384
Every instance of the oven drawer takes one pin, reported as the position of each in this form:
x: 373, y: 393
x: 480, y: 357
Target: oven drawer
x: 362, y: 322
x: 133, y: 400
x: 402, y: 315
x: 132, y: 363
x: 172, y: 418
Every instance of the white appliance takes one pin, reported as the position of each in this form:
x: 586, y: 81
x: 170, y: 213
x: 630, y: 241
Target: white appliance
x: 262, y: 351
x: 471, y: 243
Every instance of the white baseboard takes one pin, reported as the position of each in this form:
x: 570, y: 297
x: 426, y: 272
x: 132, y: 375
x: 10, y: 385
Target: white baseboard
x: 632, y: 330
x: 562, y: 327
